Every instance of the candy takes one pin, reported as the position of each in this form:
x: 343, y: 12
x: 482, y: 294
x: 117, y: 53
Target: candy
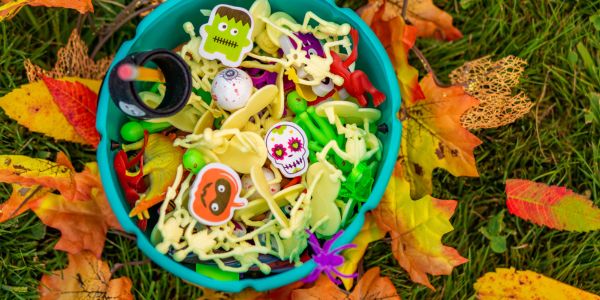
x: 231, y: 89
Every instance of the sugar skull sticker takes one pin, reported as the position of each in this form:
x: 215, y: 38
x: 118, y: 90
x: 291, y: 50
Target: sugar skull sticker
x: 215, y: 194
x: 288, y: 149
x: 227, y: 36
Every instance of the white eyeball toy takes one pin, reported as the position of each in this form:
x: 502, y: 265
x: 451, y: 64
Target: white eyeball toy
x: 231, y: 89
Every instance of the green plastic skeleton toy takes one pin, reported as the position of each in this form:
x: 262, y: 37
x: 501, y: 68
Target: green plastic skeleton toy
x: 227, y: 36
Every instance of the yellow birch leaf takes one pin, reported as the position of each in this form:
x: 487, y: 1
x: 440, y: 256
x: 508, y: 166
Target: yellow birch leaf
x: 32, y: 106
x: 370, y: 232
x: 513, y: 284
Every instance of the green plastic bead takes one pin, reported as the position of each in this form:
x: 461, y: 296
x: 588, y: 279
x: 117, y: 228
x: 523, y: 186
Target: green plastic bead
x: 132, y: 131
x: 296, y: 103
x: 193, y: 160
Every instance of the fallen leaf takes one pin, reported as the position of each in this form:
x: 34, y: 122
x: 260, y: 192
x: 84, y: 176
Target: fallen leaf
x: 416, y: 229
x: 33, y: 106
x: 73, y: 61
x: 86, y: 277
x: 79, y: 104
x: 282, y: 293
x: 552, y: 206
x: 398, y: 38
x: 370, y: 232
x: 428, y: 19
x: 492, y: 83
x: 83, y: 224
x: 30, y: 171
x: 21, y: 199
x: 513, y: 284
x: 10, y: 8
x: 370, y: 286
x: 433, y: 137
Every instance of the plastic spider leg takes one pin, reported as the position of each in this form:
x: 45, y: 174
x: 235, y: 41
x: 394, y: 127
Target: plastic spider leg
x: 313, y: 276
x: 340, y: 274
x: 329, y: 274
x: 332, y: 240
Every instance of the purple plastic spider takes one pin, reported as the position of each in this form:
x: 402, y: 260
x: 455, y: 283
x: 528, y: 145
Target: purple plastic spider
x: 327, y: 260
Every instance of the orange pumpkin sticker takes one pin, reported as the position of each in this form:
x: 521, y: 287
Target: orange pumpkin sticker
x: 215, y: 194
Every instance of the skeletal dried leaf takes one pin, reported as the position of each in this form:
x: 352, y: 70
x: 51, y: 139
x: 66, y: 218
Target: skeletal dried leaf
x: 492, y: 83
x: 73, y: 60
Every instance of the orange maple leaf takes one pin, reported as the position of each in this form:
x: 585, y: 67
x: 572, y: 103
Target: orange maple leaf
x: 433, y: 136
x: 416, y: 229
x: 428, y: 19
x: 370, y: 286
x: 398, y: 38
x: 86, y: 277
x: 78, y: 103
x: 11, y: 7
x: 21, y: 199
x: 83, y: 224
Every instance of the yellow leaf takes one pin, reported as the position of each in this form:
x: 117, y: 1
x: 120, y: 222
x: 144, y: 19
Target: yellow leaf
x: 10, y: 9
x: 433, y: 137
x: 416, y: 229
x: 513, y: 284
x: 32, y: 106
x: 370, y: 232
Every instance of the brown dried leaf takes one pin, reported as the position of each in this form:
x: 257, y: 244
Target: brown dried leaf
x: 73, y: 60
x: 492, y: 83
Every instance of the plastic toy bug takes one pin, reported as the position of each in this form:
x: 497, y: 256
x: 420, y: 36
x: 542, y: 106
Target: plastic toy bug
x: 327, y: 260
x: 356, y: 83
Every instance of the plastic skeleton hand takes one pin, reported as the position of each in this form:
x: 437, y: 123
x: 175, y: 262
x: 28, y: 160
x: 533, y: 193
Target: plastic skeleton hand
x: 315, y: 67
x: 177, y: 232
x: 203, y: 70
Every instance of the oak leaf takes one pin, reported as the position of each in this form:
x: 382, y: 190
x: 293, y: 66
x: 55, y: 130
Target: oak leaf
x: 86, y: 277
x: 83, y: 224
x: 433, y: 137
x: 513, y: 284
x: 9, y: 8
x: 552, y: 206
x: 416, y: 229
x: 72, y: 60
x: 79, y: 104
x: 428, y: 19
x: 370, y: 286
x: 370, y: 232
x: 492, y: 83
x: 33, y: 106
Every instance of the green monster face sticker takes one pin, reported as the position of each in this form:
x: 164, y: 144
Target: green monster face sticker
x: 227, y: 36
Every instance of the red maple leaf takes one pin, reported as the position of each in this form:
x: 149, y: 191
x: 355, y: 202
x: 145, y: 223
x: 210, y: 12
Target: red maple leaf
x: 78, y: 103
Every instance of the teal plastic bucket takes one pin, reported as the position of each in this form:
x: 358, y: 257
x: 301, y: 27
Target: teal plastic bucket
x: 163, y: 29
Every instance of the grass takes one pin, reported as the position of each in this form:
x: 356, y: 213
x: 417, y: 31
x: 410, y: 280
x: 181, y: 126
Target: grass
x: 552, y: 144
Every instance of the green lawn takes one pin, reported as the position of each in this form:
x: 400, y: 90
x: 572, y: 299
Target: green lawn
x: 552, y: 144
